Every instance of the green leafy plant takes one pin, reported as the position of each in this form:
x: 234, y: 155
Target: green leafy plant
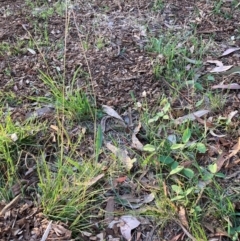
x: 180, y: 194
x: 158, y: 5
x: 100, y: 43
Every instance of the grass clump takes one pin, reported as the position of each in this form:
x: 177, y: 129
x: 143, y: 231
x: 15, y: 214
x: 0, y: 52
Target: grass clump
x: 14, y: 138
x: 67, y: 192
x: 72, y: 102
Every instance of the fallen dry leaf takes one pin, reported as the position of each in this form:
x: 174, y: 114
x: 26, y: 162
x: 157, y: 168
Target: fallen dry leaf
x: 94, y: 180
x: 149, y: 198
x: 55, y: 128
x: 121, y: 179
x: 122, y: 156
x: 135, y: 142
x: 87, y: 234
x: 134, y: 203
x: 33, y: 52
x: 234, y: 163
x: 109, y: 210
x: 220, y: 161
x: 128, y: 224
x: 182, y: 216
x: 177, y: 237
x: 191, y: 116
x: 213, y: 134
x: 217, y: 62
x: 220, y: 69
x: 233, y: 86
x: 204, y: 122
x: 103, y: 123
x: 100, y: 236
x: 111, y: 112
x: 229, y: 51
x: 236, y: 149
x: 231, y: 115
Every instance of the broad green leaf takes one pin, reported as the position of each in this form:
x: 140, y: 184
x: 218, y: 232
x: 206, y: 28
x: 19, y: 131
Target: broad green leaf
x: 187, y: 172
x: 208, y: 176
x: 149, y: 148
x: 166, y: 107
x: 199, y: 102
x: 191, y: 145
x: 189, y: 190
x: 201, y: 148
x: 177, y: 146
x: 177, y: 198
x: 166, y: 117
x: 174, y: 165
x: 166, y: 160
x: 177, y: 189
x: 99, y: 141
x: 210, y: 78
x: 212, y: 168
x: 176, y: 170
x: 186, y: 135
x: 156, y: 117
x: 198, y: 86
x: 220, y: 174
x: 160, y: 114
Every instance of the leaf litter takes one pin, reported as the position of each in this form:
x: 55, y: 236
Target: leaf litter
x: 125, y: 68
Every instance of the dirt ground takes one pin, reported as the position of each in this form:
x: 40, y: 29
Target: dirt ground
x: 112, y: 55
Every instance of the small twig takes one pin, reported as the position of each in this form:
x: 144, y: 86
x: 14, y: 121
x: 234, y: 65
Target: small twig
x: 199, y: 196
x: 128, y: 78
x: 215, y: 30
x: 189, y: 101
x: 46, y: 233
x: 149, y: 238
x: 10, y: 205
x: 186, y: 231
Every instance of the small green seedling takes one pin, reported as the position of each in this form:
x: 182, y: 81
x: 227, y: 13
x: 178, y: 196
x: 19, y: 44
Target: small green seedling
x: 180, y: 194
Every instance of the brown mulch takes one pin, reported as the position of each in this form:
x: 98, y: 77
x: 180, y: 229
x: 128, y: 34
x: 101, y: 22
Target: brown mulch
x: 21, y: 220
x: 120, y: 69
